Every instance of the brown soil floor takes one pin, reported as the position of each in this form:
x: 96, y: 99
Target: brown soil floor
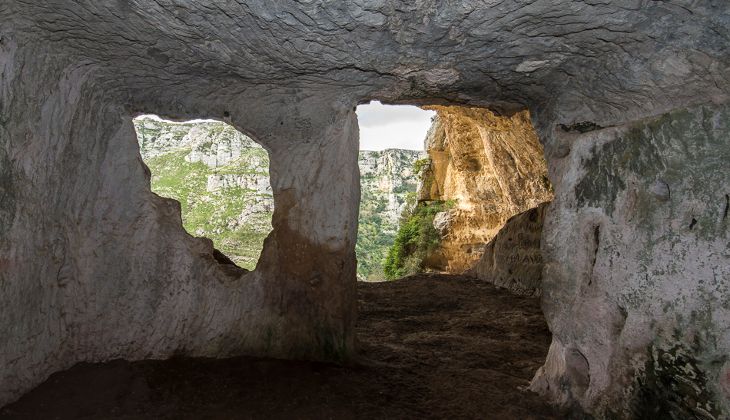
x: 432, y: 346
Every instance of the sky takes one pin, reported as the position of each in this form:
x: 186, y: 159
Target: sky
x: 386, y: 126
x: 392, y: 126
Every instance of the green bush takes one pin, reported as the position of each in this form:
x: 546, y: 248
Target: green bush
x: 421, y: 164
x: 416, y: 238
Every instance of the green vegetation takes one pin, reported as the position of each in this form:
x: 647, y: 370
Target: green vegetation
x: 375, y: 234
x: 416, y: 238
x: 214, y: 214
x: 420, y: 164
x: 388, y: 183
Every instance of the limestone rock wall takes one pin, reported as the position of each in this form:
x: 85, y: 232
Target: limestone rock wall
x: 388, y: 176
x: 489, y: 168
x: 513, y: 259
x: 637, y: 268
x: 97, y: 267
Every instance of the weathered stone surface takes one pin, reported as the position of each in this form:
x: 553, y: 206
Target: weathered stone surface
x: 635, y: 287
x: 489, y: 168
x: 95, y: 267
x: 513, y: 259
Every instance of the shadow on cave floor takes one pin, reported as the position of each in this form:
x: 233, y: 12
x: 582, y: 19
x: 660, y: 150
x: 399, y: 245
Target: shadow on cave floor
x: 433, y: 346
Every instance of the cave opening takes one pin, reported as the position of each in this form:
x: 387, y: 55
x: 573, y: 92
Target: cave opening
x: 391, y: 150
x: 219, y: 176
x: 465, y: 258
x: 470, y: 200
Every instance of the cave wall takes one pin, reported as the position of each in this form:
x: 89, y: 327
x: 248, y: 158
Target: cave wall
x: 638, y: 304
x: 513, y: 258
x: 489, y: 168
x: 96, y: 267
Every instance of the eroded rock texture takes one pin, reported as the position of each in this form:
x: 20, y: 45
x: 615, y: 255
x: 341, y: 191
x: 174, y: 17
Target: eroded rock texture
x: 489, y: 168
x: 512, y: 259
x: 638, y: 305
x: 94, y: 266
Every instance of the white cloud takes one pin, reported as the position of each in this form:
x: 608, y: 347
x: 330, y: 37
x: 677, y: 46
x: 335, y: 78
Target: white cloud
x: 392, y: 126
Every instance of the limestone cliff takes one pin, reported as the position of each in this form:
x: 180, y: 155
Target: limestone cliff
x: 220, y: 177
x: 489, y: 168
x: 388, y: 184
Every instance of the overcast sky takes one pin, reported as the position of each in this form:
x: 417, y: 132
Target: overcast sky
x: 392, y: 126
x: 385, y: 126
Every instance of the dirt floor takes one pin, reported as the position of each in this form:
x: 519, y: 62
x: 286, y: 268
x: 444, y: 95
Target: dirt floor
x: 432, y: 346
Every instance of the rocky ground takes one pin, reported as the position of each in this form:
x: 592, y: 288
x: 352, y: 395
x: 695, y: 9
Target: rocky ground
x: 432, y: 346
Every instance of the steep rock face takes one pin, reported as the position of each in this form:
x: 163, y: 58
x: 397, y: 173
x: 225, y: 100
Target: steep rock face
x: 388, y: 183
x: 489, y: 168
x: 389, y: 175
x: 512, y: 259
x: 96, y: 267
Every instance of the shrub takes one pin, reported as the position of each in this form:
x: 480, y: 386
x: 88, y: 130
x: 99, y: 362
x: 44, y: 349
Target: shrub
x: 416, y: 238
x: 421, y: 164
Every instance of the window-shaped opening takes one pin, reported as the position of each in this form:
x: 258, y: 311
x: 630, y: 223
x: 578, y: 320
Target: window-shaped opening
x: 469, y: 218
x: 219, y: 175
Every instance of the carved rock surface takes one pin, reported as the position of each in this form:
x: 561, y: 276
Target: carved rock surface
x: 513, y: 259
x: 489, y: 168
x: 93, y: 266
x: 635, y: 286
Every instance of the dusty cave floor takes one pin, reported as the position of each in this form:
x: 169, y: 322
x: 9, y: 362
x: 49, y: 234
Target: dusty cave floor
x: 432, y: 346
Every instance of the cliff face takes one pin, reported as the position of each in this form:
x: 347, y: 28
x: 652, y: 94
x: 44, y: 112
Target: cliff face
x: 488, y: 168
x: 221, y: 178
x: 388, y: 183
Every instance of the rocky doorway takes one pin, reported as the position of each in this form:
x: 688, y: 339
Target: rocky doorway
x: 391, y: 149
x: 219, y: 176
x: 479, y: 171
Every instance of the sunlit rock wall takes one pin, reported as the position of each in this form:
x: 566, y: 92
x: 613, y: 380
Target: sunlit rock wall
x: 489, y: 168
